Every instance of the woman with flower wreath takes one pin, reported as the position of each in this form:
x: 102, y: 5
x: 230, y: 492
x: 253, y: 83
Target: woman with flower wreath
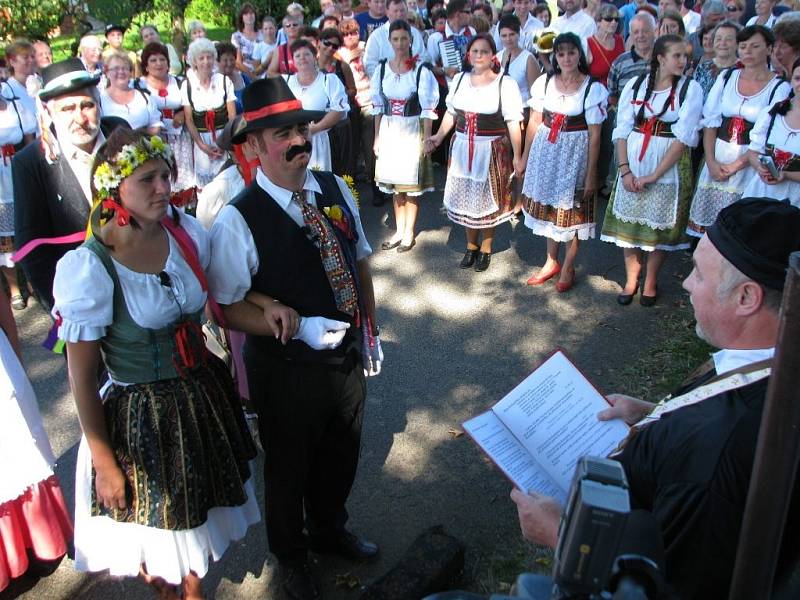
x: 404, y: 98
x: 165, y: 90
x: 164, y: 475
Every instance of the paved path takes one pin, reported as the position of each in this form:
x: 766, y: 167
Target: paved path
x: 455, y: 342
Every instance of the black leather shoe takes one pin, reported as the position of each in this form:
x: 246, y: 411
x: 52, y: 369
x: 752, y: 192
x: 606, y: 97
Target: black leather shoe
x: 390, y: 245
x: 403, y: 248
x: 348, y: 546
x: 469, y: 259
x: 299, y: 583
x: 648, y: 301
x: 626, y: 299
x: 482, y: 261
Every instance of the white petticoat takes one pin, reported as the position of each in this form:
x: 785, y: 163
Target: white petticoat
x: 102, y: 543
x: 712, y: 196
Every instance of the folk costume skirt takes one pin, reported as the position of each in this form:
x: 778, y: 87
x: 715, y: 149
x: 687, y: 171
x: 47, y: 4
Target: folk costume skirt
x: 185, y: 449
x: 402, y: 167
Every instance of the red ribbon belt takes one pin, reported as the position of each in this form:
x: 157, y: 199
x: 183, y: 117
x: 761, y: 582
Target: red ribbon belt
x: 556, y: 125
x: 470, y: 128
x: 647, y: 132
x: 210, y: 123
x: 167, y: 113
x: 8, y: 152
x: 396, y: 107
x: 736, y: 129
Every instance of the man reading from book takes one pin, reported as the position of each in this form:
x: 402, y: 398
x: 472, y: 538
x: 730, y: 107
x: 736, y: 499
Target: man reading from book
x: 689, y: 461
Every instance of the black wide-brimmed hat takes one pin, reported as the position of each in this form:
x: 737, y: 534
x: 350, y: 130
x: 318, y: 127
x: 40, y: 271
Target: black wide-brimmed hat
x: 269, y: 103
x: 64, y: 77
x: 757, y: 235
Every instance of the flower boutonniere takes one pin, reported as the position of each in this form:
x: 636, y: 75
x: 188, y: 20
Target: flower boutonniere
x: 338, y: 217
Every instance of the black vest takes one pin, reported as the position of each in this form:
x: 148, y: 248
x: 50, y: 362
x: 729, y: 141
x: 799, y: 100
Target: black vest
x: 290, y: 269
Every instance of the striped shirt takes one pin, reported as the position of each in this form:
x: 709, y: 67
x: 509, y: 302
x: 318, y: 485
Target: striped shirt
x: 624, y: 68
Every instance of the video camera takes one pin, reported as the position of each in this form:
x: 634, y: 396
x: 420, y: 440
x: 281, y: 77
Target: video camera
x: 604, y: 551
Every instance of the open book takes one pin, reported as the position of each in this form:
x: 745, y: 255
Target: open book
x: 540, y: 429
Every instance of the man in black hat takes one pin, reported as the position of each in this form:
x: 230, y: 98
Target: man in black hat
x: 689, y: 463
x: 114, y: 36
x: 52, y: 196
x: 289, y: 248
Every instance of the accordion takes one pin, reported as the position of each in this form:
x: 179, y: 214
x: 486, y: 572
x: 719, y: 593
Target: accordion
x: 451, y: 57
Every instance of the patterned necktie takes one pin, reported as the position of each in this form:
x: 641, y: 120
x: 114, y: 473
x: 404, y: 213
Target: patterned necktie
x: 330, y: 251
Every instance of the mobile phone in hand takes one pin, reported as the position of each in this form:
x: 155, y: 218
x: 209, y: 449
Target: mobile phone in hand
x: 769, y: 164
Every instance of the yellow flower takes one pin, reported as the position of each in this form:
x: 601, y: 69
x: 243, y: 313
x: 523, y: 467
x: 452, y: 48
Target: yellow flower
x: 335, y: 212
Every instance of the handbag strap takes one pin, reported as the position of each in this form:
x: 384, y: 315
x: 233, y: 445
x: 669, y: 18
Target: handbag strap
x: 189, y: 251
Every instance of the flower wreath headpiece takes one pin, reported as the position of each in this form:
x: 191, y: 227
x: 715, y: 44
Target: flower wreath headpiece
x: 110, y: 174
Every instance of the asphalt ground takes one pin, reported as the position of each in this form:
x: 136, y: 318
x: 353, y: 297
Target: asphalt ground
x: 455, y: 342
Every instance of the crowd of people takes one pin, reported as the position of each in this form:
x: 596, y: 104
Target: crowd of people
x: 223, y: 180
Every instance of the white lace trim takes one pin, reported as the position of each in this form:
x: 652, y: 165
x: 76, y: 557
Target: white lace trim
x: 709, y: 200
x: 554, y: 171
x: 469, y: 197
x: 656, y: 207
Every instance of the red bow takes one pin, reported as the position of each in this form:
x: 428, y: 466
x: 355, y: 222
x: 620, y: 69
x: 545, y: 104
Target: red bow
x: 470, y: 129
x: 123, y: 216
x: 781, y: 158
x: 736, y: 128
x: 210, y: 123
x: 184, y: 197
x: 184, y: 334
x: 163, y: 93
x: 556, y: 125
x: 7, y: 152
x: 411, y: 62
x: 647, y: 132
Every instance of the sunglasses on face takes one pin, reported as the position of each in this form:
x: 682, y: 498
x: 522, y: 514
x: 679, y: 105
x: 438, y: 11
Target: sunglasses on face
x: 609, y: 19
x: 330, y: 44
x: 733, y: 8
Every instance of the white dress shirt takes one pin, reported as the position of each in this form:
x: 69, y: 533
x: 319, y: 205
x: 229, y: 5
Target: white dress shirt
x: 580, y: 24
x: 379, y: 47
x: 727, y: 360
x: 234, y: 258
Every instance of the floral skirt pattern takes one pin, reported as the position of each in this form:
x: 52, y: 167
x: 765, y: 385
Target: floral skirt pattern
x: 561, y: 224
x: 485, y: 204
x: 183, y: 445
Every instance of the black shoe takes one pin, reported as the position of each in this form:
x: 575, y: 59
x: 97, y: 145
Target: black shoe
x: 348, y: 546
x: 299, y: 583
x: 391, y: 245
x: 403, y: 248
x: 469, y: 259
x: 482, y: 262
x: 648, y: 301
x: 626, y: 299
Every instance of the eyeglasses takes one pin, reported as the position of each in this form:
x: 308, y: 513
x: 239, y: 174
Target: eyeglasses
x: 330, y: 44
x: 291, y: 25
x: 466, y: 12
x: 609, y: 19
x: 119, y: 69
x: 346, y: 33
x: 733, y: 8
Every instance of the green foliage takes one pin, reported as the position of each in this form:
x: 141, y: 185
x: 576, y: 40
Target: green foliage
x: 30, y: 18
x: 212, y: 12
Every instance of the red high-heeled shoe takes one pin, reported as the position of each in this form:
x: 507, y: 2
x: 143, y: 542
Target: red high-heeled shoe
x: 542, y: 276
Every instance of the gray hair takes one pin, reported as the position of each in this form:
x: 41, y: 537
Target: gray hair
x: 646, y: 17
x: 731, y: 278
x: 198, y: 47
x: 792, y: 15
x: 726, y: 24
x: 712, y: 7
x: 194, y: 26
x: 607, y: 10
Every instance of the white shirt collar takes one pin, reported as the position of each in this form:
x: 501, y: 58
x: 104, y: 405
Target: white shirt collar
x: 727, y: 360
x: 448, y: 32
x: 283, y: 196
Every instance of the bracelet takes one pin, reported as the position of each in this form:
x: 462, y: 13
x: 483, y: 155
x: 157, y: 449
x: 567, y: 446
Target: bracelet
x: 624, y: 175
x: 620, y: 165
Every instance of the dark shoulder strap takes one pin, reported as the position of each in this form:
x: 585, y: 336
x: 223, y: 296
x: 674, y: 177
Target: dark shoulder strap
x: 460, y: 79
x: 637, y: 84
x: 189, y: 91
x: 547, y: 79
x: 225, y: 79
x: 425, y: 65
x: 684, y: 90
x: 589, y: 85
x: 772, y: 115
x: 727, y: 76
x: 778, y: 81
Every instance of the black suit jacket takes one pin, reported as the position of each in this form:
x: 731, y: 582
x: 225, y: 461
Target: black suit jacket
x: 48, y: 202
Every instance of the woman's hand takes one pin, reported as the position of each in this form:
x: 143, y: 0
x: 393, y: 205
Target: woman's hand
x: 109, y: 484
x: 177, y: 120
x: 589, y: 186
x: 520, y: 165
x: 212, y: 150
x: 432, y: 143
x: 767, y: 177
x: 282, y: 320
x: 629, y: 183
x: 715, y: 169
x: 644, y: 181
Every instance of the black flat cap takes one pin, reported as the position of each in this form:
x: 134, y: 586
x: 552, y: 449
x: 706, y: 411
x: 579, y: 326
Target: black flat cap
x: 757, y: 235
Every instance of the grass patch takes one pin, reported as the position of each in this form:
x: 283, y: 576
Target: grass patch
x: 497, y: 573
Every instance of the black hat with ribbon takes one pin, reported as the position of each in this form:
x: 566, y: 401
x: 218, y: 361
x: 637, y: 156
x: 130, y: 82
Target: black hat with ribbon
x: 269, y: 103
x: 65, y: 77
x: 115, y: 27
x: 757, y: 235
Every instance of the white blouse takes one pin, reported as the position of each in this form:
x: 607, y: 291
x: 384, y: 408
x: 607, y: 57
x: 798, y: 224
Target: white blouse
x: 171, y: 101
x: 484, y: 99
x: 10, y: 128
x: 727, y: 101
x: 211, y: 98
x: 325, y: 93
x: 684, y: 117
x: 592, y: 104
x: 141, y: 111
x: 84, y: 292
x: 400, y: 87
x: 29, y: 123
x: 518, y: 70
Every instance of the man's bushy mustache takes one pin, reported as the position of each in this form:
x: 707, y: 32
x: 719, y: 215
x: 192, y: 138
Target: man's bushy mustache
x: 297, y: 150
